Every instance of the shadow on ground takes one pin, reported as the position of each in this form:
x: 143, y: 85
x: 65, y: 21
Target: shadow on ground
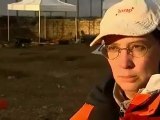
x: 47, y: 82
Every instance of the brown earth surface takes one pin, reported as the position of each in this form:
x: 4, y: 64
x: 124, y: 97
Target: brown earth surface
x: 47, y: 82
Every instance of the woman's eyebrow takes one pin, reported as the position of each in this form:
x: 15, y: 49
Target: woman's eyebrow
x: 140, y: 41
x: 114, y: 44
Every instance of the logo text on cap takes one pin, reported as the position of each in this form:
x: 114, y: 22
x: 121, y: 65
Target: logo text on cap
x: 125, y: 10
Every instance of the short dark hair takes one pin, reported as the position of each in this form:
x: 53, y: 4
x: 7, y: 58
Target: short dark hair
x: 156, y: 34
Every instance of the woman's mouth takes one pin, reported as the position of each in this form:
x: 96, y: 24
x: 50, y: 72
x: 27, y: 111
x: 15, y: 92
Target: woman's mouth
x: 129, y: 78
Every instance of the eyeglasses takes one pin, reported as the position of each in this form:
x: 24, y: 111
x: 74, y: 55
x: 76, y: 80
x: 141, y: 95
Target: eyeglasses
x: 134, y: 49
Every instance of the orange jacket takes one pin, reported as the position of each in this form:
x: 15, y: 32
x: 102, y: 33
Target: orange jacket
x: 83, y: 113
x: 99, y: 103
x: 142, y: 107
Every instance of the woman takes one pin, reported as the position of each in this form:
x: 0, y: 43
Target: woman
x: 131, y: 46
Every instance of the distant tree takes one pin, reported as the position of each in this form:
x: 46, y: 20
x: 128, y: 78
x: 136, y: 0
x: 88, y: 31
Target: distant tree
x: 102, y: 8
x: 65, y: 12
x: 77, y: 8
x: 17, y: 10
x: 90, y: 8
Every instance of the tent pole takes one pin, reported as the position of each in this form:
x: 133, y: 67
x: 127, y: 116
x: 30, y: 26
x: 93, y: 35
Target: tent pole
x: 76, y: 21
x: 39, y: 26
x: 76, y: 28
x: 8, y: 26
x: 45, y: 26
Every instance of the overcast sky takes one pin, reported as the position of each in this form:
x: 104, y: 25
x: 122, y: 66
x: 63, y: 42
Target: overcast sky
x: 84, y: 8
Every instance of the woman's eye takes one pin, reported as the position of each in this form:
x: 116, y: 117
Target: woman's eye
x: 138, y: 47
x: 112, y: 48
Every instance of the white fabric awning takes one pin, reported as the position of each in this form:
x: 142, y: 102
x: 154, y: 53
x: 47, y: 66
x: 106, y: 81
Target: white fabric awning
x: 28, y: 5
x: 56, y: 5
x: 41, y: 5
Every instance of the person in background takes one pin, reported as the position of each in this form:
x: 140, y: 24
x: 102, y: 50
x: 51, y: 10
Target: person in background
x: 131, y: 46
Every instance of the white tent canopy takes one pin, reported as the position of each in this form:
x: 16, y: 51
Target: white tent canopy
x: 42, y: 6
x: 108, y: 3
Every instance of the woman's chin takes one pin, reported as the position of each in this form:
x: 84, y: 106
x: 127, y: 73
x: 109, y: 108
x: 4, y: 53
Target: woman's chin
x: 130, y: 87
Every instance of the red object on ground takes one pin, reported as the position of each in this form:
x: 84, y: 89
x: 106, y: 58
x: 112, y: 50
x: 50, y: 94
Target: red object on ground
x: 3, y: 104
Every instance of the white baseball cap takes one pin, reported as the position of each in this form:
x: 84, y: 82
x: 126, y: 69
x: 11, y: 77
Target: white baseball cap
x: 130, y: 18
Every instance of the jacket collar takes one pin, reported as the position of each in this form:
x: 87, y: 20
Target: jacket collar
x: 152, y: 86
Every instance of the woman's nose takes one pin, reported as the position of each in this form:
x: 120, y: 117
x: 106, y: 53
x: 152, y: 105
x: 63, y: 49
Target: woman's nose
x: 125, y: 59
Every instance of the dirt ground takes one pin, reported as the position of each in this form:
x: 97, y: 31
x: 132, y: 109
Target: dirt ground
x: 47, y: 82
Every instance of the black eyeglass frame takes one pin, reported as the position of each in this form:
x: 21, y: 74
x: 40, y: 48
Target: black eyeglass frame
x: 103, y: 51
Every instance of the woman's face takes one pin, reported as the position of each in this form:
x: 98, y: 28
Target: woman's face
x: 132, y: 73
